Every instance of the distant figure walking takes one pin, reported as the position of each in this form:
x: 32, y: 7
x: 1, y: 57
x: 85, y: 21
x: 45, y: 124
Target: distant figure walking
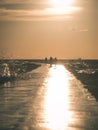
x: 46, y: 60
x: 55, y: 60
x: 51, y: 61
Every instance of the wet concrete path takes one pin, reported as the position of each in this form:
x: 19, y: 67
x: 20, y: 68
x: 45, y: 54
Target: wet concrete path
x: 50, y: 98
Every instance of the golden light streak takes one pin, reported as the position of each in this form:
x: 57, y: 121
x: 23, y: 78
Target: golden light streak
x: 57, y: 111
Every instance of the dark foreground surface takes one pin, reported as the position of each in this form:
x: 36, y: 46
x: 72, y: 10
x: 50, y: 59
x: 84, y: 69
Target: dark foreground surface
x: 87, y: 72
x: 11, y: 70
x: 49, y: 98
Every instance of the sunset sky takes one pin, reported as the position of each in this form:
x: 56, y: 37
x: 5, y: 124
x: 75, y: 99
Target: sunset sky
x: 65, y: 29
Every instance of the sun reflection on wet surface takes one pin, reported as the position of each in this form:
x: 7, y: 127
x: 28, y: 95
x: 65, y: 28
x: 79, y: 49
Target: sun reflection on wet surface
x: 57, y: 114
x: 52, y: 100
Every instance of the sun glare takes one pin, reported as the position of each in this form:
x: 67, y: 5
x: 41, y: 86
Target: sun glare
x: 61, y: 3
x: 57, y: 111
x: 62, y: 6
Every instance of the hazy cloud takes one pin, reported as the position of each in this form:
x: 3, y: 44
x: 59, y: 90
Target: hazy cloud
x: 14, y: 1
x: 30, y: 10
x: 24, y: 2
x: 27, y: 15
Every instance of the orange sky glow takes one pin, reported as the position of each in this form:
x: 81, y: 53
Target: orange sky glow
x: 66, y: 29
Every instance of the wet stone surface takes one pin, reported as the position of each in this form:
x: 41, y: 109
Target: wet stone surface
x: 52, y: 99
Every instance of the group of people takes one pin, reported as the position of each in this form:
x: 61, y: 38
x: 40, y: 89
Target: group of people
x: 51, y: 60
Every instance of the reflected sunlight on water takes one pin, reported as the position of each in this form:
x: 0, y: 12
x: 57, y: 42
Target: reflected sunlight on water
x: 57, y: 114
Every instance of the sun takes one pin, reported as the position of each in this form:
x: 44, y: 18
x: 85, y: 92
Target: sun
x: 61, y: 3
x: 62, y: 6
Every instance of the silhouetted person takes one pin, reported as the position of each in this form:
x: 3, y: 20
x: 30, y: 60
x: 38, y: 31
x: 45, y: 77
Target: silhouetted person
x: 51, y: 61
x: 55, y: 60
x: 46, y: 60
